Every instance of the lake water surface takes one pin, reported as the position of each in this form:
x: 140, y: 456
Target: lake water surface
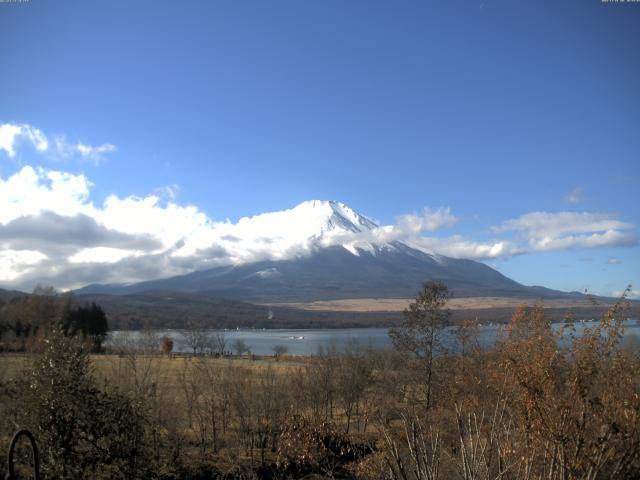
x: 310, y: 341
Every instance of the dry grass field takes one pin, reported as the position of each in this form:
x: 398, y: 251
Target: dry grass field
x: 472, y: 303
x: 168, y: 367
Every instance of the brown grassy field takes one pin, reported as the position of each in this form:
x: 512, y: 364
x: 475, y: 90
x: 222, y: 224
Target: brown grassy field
x: 13, y: 363
x: 472, y: 303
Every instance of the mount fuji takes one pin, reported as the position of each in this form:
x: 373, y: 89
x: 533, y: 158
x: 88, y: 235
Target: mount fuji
x: 324, y: 250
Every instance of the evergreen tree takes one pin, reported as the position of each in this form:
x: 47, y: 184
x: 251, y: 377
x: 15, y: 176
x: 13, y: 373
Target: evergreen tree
x: 88, y: 320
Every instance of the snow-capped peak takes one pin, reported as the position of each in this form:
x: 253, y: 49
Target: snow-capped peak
x: 330, y: 216
x: 298, y: 230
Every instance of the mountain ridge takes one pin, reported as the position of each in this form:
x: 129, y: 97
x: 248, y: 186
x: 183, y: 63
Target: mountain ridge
x: 335, y: 273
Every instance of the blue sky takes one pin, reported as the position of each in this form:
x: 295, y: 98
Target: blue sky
x: 492, y: 109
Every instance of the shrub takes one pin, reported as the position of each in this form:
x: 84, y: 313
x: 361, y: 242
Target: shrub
x: 82, y: 432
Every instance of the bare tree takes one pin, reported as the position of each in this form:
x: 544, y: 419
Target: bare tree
x: 196, y: 339
x: 353, y: 376
x: 321, y: 383
x: 148, y: 341
x: 190, y: 389
x: 279, y: 350
x: 219, y: 342
x: 212, y: 402
x: 466, y: 335
x: 121, y: 342
x: 417, y: 456
x: 240, y: 346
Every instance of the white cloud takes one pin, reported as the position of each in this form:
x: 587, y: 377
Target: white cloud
x: 564, y: 230
x: 594, y: 240
x: 613, y: 261
x: 13, y: 134
x: 169, y: 192
x: 14, y: 263
x: 31, y: 191
x: 544, y: 223
x: 35, y: 197
x: 410, y: 229
x: 94, y: 154
x: 575, y: 196
x: 103, y: 255
x: 458, y: 247
x: 428, y: 220
x: 8, y: 134
x: 632, y: 294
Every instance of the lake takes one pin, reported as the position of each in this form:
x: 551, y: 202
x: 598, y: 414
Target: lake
x: 310, y: 341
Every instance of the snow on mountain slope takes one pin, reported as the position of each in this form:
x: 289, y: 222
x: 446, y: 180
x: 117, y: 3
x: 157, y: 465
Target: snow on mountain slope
x: 312, y: 219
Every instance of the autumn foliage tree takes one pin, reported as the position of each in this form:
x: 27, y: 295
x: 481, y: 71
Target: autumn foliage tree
x: 575, y: 398
x: 166, y: 345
